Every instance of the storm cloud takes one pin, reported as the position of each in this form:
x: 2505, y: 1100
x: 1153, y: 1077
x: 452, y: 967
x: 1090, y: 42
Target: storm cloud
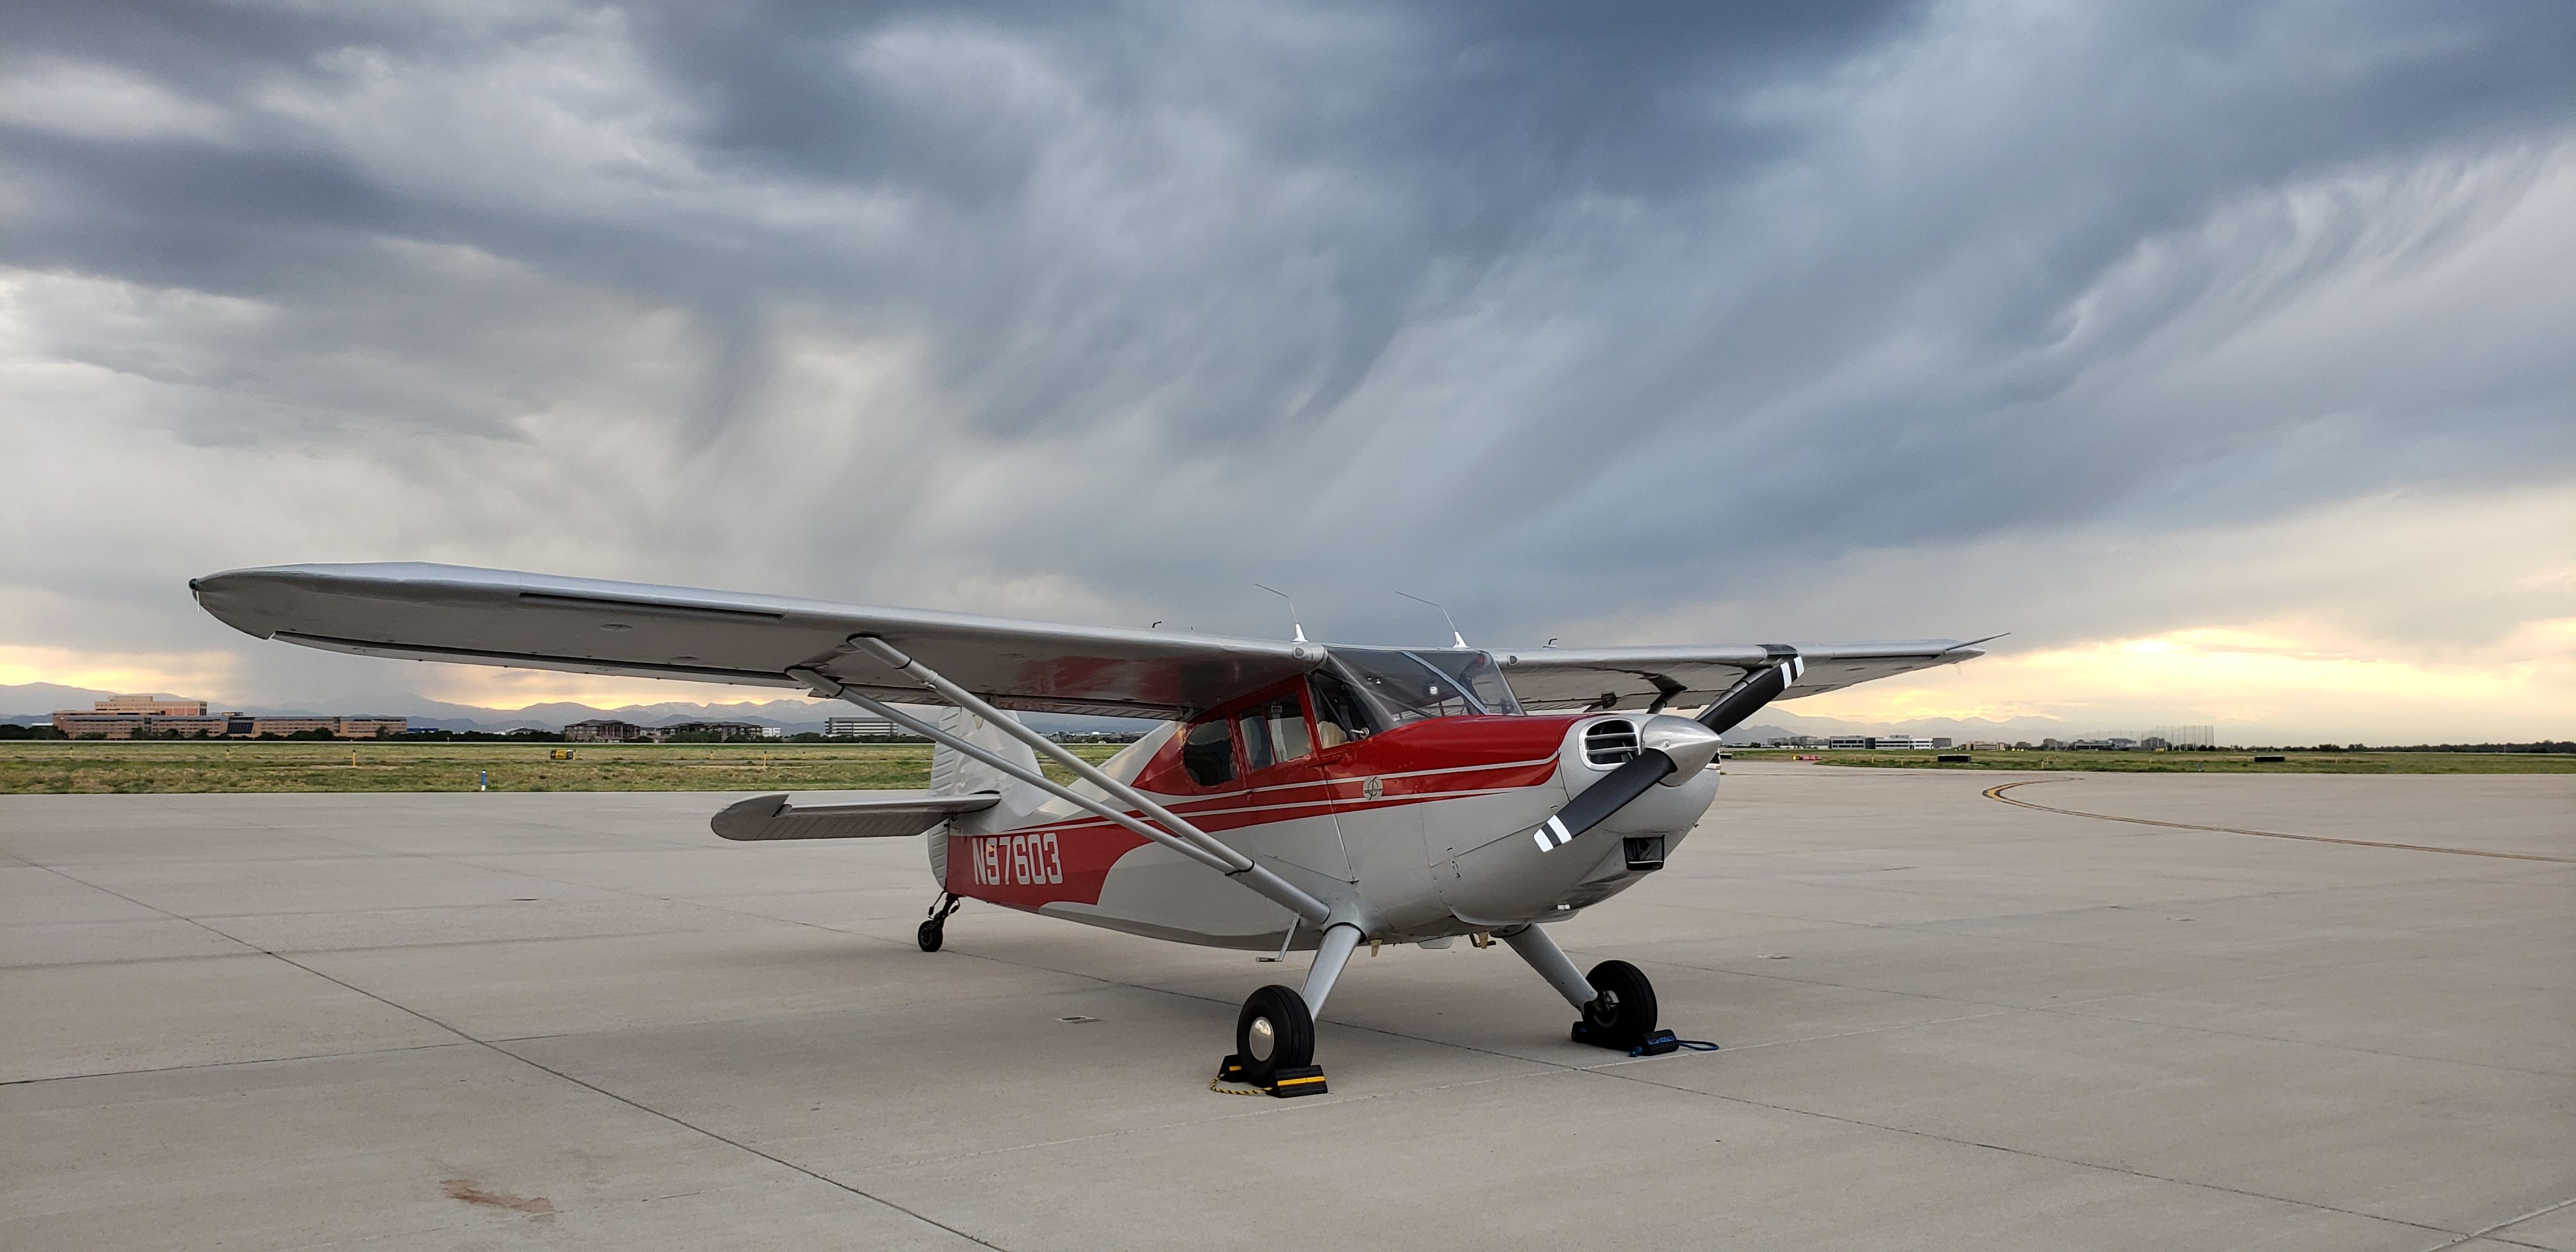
x: 1708, y: 322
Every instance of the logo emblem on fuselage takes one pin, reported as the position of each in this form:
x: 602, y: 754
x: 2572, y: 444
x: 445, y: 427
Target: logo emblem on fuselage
x: 1373, y: 788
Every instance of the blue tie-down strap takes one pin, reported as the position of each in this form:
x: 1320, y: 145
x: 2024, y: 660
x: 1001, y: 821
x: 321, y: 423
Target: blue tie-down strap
x: 1663, y: 1041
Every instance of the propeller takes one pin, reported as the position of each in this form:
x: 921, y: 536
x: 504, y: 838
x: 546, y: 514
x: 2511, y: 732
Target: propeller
x: 1669, y: 751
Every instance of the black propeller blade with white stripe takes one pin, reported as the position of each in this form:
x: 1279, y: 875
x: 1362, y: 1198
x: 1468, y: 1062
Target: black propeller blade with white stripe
x: 1669, y: 749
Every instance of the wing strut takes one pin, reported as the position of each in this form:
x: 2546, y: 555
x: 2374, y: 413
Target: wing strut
x: 1178, y: 835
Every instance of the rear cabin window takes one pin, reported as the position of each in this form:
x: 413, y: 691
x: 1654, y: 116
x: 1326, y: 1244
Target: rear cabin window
x: 1207, y: 753
x: 1273, y: 732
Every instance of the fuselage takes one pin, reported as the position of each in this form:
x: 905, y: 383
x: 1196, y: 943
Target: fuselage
x: 1430, y: 821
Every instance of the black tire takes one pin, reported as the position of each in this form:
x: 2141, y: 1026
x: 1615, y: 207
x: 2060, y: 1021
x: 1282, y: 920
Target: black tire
x: 1274, y: 1032
x: 932, y: 935
x: 1622, y: 1014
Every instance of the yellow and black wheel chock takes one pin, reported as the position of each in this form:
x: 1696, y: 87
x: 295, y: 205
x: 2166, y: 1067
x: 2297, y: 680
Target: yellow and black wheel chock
x: 1285, y: 1082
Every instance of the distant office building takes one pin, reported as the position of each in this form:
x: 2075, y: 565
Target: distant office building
x: 152, y: 706
x: 1850, y: 741
x: 1904, y: 743
x: 124, y: 717
x: 2112, y: 744
x: 840, y: 727
x: 717, y: 730
x: 1939, y: 742
x: 602, y: 730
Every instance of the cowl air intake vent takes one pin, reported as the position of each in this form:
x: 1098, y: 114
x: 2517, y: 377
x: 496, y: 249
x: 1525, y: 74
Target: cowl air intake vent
x: 1612, y: 741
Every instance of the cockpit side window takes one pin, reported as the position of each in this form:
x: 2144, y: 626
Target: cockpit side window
x: 1340, y: 715
x: 1207, y: 753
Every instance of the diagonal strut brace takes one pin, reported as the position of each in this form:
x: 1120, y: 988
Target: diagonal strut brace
x: 1178, y: 834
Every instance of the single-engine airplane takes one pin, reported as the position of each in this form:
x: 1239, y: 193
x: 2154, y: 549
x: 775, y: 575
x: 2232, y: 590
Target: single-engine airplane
x: 1300, y: 795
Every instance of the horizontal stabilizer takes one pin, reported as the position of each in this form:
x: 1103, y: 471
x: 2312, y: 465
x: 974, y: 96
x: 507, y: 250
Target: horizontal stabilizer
x: 885, y: 815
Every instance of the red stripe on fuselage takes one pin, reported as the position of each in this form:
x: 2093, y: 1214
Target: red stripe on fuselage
x: 1420, y: 763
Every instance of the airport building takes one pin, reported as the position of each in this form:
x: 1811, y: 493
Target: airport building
x: 602, y: 730
x: 1876, y: 743
x: 727, y: 731
x: 125, y: 717
x: 838, y: 727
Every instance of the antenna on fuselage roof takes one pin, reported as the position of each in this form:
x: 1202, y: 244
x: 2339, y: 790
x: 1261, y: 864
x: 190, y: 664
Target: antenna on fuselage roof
x: 1444, y: 616
x: 1293, y: 623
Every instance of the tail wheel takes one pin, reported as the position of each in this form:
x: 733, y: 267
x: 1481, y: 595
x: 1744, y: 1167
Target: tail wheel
x: 1622, y: 1012
x: 1274, y: 1032
x: 932, y: 934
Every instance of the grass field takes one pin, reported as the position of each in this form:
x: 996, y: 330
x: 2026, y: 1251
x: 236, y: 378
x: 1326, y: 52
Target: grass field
x: 108, y: 766
x: 2199, y: 762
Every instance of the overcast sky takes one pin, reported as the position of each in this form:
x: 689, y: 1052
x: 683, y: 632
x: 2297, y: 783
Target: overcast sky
x: 2225, y: 354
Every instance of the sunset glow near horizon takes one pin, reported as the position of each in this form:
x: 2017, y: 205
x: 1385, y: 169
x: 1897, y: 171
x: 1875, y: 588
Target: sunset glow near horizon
x: 2254, y: 685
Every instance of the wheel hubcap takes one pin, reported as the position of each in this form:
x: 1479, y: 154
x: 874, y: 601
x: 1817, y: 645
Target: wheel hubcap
x: 1604, y: 1009
x: 1264, y: 1038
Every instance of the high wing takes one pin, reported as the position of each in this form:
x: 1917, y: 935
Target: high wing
x: 1685, y: 677
x: 494, y: 617
x: 883, y: 815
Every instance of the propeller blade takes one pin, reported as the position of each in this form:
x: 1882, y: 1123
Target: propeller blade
x: 1604, y: 798
x: 1746, y: 698
x: 1670, y: 750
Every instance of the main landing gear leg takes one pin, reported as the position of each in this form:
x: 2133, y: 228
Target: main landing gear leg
x: 1616, y: 1000
x: 935, y: 931
x: 1274, y: 1036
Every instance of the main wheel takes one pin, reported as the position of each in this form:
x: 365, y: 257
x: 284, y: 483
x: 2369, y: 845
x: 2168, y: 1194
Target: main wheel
x: 932, y: 935
x: 1274, y: 1032
x: 1622, y: 1014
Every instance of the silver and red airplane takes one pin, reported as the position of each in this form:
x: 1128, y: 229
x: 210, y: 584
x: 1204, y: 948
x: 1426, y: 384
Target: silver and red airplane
x: 1299, y: 796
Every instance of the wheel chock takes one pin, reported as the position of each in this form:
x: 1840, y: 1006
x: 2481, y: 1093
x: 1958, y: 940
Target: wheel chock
x: 1297, y: 1080
x: 1656, y: 1043
x: 1285, y: 1083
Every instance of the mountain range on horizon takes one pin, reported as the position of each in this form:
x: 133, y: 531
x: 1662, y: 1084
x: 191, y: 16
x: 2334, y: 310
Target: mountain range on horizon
x: 34, y: 702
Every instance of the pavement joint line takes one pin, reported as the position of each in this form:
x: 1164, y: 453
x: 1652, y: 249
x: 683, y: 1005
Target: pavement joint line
x: 642, y: 1107
x: 2070, y: 1008
x: 256, y: 1060
x: 483, y: 1043
x: 2304, y: 1043
x: 1312, y: 1107
x: 2025, y: 1152
x: 1997, y: 793
x: 1839, y: 1034
x: 2490, y: 1232
x: 1955, y: 999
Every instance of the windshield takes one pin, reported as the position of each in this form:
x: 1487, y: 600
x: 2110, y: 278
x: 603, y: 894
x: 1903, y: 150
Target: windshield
x: 1475, y: 671
x: 1416, y: 686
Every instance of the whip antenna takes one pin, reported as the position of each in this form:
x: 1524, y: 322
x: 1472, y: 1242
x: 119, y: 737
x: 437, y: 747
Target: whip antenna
x: 1293, y: 623
x: 1444, y: 616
